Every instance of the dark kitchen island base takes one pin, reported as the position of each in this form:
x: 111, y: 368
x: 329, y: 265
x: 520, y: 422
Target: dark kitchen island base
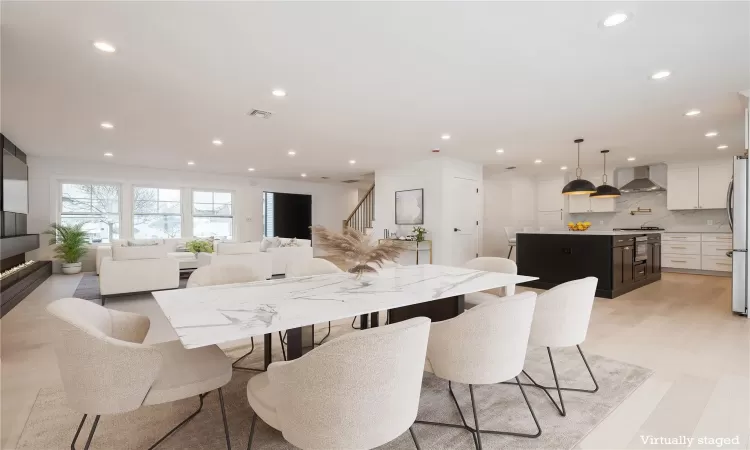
x: 621, y: 262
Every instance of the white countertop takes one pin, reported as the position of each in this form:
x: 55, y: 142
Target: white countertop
x: 218, y: 314
x: 592, y: 232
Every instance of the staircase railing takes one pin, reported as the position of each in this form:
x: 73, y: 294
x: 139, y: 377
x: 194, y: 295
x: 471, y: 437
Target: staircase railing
x: 364, y: 213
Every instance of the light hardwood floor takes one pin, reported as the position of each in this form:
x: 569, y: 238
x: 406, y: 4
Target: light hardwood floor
x: 681, y: 327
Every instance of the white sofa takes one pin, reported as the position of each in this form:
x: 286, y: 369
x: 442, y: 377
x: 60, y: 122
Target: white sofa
x: 283, y: 256
x: 138, y: 269
x: 187, y: 259
x: 246, y: 254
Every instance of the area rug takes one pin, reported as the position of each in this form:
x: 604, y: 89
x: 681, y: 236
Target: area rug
x: 88, y: 287
x: 51, y: 424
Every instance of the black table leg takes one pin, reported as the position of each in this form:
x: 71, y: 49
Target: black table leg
x: 375, y: 319
x: 436, y: 310
x: 267, y: 350
x: 293, y: 343
x: 363, y: 322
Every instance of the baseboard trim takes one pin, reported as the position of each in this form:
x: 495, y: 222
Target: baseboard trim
x: 711, y: 273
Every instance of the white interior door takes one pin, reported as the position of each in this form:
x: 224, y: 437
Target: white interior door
x: 463, y: 209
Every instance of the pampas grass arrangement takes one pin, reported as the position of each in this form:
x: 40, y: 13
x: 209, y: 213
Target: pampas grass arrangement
x: 354, y: 247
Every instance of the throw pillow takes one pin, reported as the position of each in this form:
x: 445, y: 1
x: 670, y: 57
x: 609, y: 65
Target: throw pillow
x: 265, y: 244
x: 144, y: 243
x: 275, y: 242
x: 290, y: 243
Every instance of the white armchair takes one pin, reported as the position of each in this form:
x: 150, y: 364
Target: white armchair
x: 561, y: 319
x: 484, y: 345
x: 309, y: 399
x: 106, y: 368
x: 247, y: 254
x: 490, y: 264
x: 138, y: 269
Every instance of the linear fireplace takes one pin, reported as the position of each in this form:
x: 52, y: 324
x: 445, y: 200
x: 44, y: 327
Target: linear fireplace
x: 18, y: 278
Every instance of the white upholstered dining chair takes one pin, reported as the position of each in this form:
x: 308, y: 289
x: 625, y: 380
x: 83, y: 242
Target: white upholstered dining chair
x: 561, y: 319
x: 226, y: 273
x: 484, y: 345
x: 310, y: 399
x: 312, y: 267
x: 106, y: 368
x: 490, y: 264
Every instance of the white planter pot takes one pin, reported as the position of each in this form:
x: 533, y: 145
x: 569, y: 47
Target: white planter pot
x: 71, y: 268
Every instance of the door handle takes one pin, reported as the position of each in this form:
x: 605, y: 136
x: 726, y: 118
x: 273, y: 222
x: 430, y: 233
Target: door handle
x: 729, y: 254
x: 456, y: 229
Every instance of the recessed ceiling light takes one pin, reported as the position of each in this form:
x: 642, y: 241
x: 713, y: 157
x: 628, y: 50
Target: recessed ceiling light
x: 303, y: 175
x: 106, y: 125
x: 537, y: 161
x: 445, y: 137
x: 499, y: 151
x: 564, y: 168
x: 693, y: 112
x: 106, y: 47
x: 615, y: 19
x: 711, y: 134
x: 722, y: 147
x: 217, y: 142
x: 251, y: 169
x: 191, y: 163
x: 291, y: 153
x: 279, y: 93
x: 632, y: 158
x: 661, y: 74
x: 351, y: 161
x: 109, y: 154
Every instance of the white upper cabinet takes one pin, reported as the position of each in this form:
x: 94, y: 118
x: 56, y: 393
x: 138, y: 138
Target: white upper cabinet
x: 698, y: 186
x: 579, y: 203
x: 682, y: 187
x: 713, y: 182
x: 549, y: 195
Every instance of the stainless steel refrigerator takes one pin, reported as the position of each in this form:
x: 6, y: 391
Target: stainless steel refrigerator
x: 737, y: 209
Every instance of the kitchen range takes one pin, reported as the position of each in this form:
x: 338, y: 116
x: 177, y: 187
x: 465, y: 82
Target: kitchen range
x: 622, y: 260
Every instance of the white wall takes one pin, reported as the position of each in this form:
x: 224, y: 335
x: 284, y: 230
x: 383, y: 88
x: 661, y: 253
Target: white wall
x: 509, y: 201
x: 330, y: 203
x: 434, y: 176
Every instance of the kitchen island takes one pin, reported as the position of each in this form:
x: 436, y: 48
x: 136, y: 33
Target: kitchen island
x: 621, y: 260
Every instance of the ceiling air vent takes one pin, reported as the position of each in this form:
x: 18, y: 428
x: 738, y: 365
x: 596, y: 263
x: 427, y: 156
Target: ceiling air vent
x: 350, y: 181
x: 260, y: 113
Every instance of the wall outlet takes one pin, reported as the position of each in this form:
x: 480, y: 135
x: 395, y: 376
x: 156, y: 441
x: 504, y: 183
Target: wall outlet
x: 709, y: 222
x: 601, y: 222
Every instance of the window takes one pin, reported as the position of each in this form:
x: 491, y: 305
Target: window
x: 97, y: 206
x: 156, y: 213
x: 268, y: 214
x: 213, y: 214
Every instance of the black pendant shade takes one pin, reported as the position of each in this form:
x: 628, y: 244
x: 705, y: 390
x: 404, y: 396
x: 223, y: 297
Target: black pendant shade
x: 579, y: 186
x: 605, y: 190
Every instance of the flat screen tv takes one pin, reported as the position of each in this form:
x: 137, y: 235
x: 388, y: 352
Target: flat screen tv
x: 15, y: 184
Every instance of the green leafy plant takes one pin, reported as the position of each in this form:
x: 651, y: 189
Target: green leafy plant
x: 420, y: 232
x: 199, y: 246
x: 71, y: 241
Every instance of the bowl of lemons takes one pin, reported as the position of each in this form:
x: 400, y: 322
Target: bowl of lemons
x: 579, y: 226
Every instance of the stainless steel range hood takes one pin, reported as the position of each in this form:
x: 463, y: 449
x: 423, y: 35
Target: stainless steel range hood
x: 642, y: 182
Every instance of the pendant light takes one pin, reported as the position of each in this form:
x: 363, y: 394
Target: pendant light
x: 579, y: 186
x: 605, y: 190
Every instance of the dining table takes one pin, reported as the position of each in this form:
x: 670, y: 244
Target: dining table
x: 228, y: 313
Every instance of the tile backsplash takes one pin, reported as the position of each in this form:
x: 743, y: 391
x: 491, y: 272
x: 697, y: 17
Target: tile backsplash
x: 688, y: 220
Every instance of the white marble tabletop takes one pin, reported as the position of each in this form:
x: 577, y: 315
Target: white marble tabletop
x: 219, y: 314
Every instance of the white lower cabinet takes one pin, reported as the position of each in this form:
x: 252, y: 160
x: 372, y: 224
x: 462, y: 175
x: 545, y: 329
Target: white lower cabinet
x: 697, y: 251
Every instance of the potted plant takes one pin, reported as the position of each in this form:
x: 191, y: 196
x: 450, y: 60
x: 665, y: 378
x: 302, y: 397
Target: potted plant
x: 71, y: 245
x: 200, y: 246
x: 420, y: 232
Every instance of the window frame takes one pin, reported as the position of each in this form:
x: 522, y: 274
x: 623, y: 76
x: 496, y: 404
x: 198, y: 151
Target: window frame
x: 86, y: 181
x: 193, y: 215
x: 133, y: 213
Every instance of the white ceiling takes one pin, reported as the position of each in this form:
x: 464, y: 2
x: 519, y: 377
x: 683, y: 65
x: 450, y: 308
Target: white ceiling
x: 374, y: 82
